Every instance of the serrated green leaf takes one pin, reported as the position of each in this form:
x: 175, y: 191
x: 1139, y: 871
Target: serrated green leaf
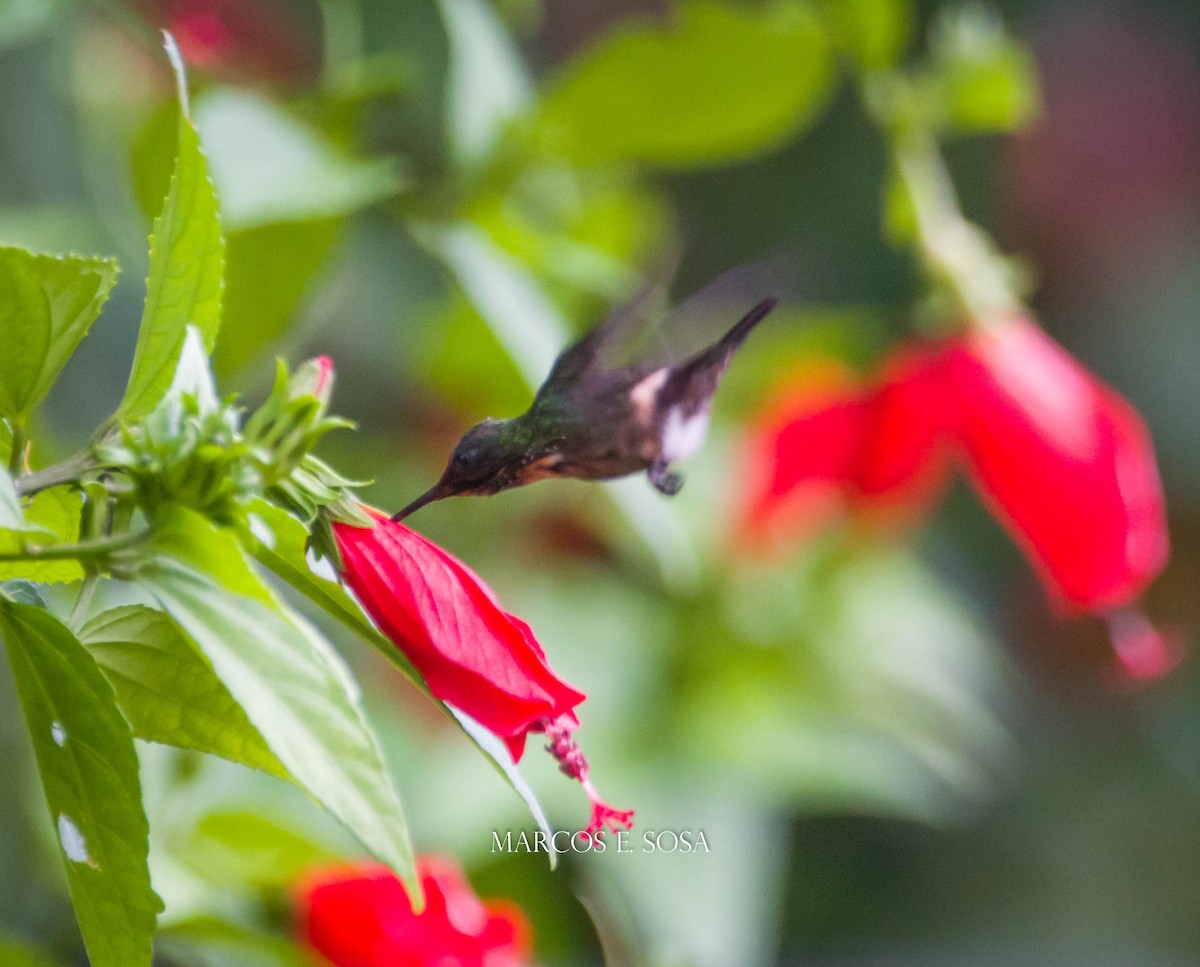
x: 89, y: 772
x: 251, y: 850
x: 186, y: 278
x: 294, y: 687
x: 47, y: 305
x: 169, y: 692
x: 52, y: 517
x: 282, y: 549
x: 713, y: 83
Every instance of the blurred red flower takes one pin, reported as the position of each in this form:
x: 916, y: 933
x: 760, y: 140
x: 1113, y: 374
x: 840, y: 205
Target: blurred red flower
x: 1060, y: 459
x: 1063, y: 461
x: 471, y: 652
x: 361, y: 916
x: 829, y: 444
x: 238, y: 40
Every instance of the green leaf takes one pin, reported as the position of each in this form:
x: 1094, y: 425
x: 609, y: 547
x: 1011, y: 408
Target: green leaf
x: 22, y: 19
x: 873, y: 32
x: 714, y: 83
x: 487, y: 83
x: 13, y: 953
x: 264, y: 289
x: 54, y: 515
x: 250, y: 850
x: 985, y: 81
x: 89, y: 772
x: 47, y: 305
x: 278, y: 541
x: 271, y: 167
x: 11, y: 516
x: 293, y: 686
x: 169, y: 692
x: 210, y: 942
x: 186, y: 279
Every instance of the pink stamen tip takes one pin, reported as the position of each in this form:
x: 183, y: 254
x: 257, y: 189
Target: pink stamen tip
x: 604, y: 816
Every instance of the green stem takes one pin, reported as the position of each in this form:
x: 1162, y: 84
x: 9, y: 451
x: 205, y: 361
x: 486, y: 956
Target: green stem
x: 87, y: 591
x: 61, y: 473
x: 957, y: 253
x: 83, y: 549
x: 17, y: 452
x: 343, y: 40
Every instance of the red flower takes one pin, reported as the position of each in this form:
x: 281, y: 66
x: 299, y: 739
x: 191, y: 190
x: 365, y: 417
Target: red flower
x: 1060, y: 459
x: 837, y: 445
x: 471, y: 652
x: 1063, y: 461
x: 248, y: 40
x: 361, y: 916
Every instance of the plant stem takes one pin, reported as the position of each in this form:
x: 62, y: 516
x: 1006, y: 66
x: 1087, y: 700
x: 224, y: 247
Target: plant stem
x: 83, y: 549
x: 956, y: 252
x: 87, y: 591
x: 17, y: 452
x: 60, y: 473
x: 343, y: 41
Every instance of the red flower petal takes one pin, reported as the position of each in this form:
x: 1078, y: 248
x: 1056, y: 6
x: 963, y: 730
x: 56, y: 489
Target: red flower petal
x: 825, y: 445
x: 903, y: 460
x: 361, y: 916
x: 471, y: 652
x: 800, y: 454
x: 1063, y: 461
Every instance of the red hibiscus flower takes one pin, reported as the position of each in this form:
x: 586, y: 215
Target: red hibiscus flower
x: 1063, y: 461
x: 361, y: 916
x: 1059, y: 458
x: 828, y: 443
x: 471, y: 652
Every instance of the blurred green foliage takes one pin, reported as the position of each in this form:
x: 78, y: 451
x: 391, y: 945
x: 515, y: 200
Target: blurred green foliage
x: 440, y: 211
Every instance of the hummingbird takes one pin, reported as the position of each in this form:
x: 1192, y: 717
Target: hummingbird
x: 610, y: 407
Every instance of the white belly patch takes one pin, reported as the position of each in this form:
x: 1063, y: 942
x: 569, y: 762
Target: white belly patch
x: 683, y: 435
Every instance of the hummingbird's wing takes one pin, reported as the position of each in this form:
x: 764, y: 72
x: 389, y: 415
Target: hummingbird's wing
x: 642, y: 334
x: 600, y: 345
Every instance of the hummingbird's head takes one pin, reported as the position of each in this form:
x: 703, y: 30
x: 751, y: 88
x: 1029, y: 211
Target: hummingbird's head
x: 484, y: 462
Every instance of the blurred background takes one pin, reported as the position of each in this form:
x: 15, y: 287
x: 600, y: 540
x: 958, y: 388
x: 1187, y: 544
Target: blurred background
x: 896, y: 752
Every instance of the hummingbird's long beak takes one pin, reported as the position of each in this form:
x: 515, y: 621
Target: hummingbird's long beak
x: 436, y: 492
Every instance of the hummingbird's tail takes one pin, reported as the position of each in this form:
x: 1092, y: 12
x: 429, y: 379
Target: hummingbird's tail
x: 697, y: 379
x: 732, y: 339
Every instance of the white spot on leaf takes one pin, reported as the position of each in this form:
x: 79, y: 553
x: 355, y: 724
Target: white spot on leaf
x: 73, y: 843
x: 58, y: 733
